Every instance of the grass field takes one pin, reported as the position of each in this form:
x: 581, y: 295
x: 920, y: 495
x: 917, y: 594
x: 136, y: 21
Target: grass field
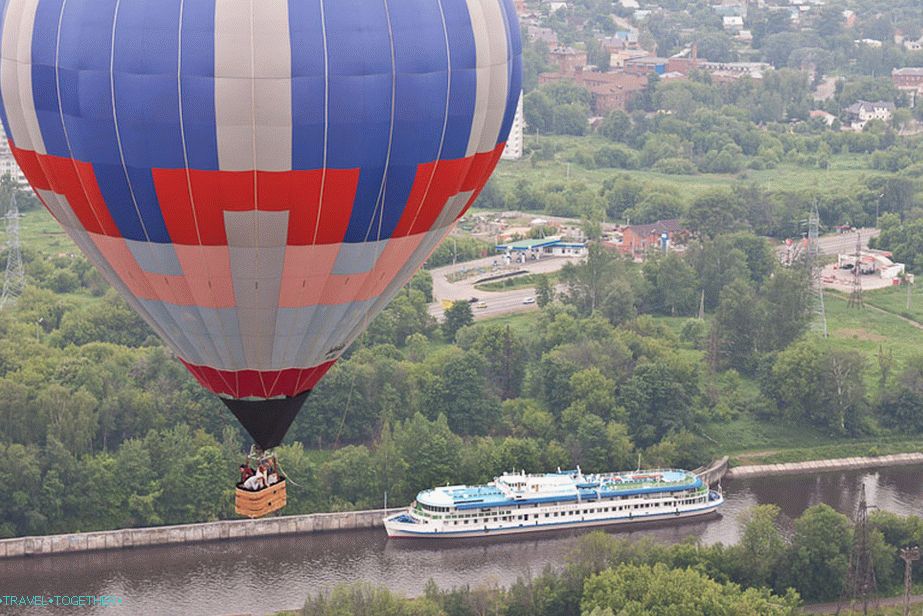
x: 868, y: 330
x: 844, y: 173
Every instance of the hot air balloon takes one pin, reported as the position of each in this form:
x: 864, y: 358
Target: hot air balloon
x: 258, y: 178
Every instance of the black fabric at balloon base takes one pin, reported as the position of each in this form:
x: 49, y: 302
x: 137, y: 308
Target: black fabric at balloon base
x: 267, y: 421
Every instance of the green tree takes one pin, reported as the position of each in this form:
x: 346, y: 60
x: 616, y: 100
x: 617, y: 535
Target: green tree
x: 544, y: 291
x: 457, y: 316
x: 660, y: 398
x: 657, y: 590
x: 818, y: 559
x: 715, y: 213
x: 672, y: 284
x: 457, y: 387
x: 740, y: 315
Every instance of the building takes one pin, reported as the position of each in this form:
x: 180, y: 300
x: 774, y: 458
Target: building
x: 514, y: 144
x: 647, y: 65
x: 567, y: 59
x: 872, y: 262
x: 553, y: 246
x: 732, y: 23
x: 827, y: 118
x: 639, y: 239
x: 539, y: 33
x: 8, y: 164
x: 861, y: 113
x: 910, y: 80
x: 610, y: 91
x: 618, y: 57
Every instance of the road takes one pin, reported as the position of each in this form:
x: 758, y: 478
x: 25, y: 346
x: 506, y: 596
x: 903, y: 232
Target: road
x: 825, y: 89
x: 841, y: 243
x: 498, y: 302
x: 845, y: 243
x: 833, y: 608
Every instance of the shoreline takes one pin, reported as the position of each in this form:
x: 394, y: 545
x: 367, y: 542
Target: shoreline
x: 230, y: 530
x: 822, y: 466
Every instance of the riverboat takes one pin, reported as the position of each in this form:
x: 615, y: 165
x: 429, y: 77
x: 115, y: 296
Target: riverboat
x: 521, y: 503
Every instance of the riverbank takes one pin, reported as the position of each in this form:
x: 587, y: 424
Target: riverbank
x: 822, y: 466
x: 226, y: 530
x: 230, y: 530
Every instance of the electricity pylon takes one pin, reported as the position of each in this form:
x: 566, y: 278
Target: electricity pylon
x: 14, y: 280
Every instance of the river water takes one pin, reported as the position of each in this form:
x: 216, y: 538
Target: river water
x: 262, y: 576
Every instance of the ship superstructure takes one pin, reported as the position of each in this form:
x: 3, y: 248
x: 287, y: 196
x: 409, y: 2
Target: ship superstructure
x: 519, y: 503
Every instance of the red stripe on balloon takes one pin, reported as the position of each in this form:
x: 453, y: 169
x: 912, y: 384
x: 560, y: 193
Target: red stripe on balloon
x: 200, y: 219
x: 259, y: 383
x: 437, y: 182
x: 75, y: 180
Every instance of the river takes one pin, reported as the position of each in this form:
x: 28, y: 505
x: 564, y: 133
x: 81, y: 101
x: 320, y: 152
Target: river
x: 261, y: 576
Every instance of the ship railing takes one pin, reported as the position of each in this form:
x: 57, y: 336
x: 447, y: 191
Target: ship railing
x: 644, y: 472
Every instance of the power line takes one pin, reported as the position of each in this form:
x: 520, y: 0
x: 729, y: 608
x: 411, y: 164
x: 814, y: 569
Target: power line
x: 855, y: 296
x: 812, y: 261
x: 860, y: 583
x: 14, y: 280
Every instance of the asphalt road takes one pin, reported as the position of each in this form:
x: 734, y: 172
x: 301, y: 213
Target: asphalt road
x: 845, y: 243
x: 498, y: 302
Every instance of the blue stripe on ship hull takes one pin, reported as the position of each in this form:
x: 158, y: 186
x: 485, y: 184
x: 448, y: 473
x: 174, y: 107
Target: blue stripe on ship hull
x: 574, y: 524
x: 584, y: 497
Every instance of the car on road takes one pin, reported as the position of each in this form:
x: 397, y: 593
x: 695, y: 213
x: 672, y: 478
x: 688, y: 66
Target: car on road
x: 473, y: 300
x: 529, y: 300
x: 481, y: 305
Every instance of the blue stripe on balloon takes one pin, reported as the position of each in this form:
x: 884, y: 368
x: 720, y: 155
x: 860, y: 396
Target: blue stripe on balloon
x: 464, y: 78
x: 197, y: 80
x: 514, y: 64
x: 6, y: 123
x: 86, y: 95
x: 44, y: 80
x: 146, y: 92
x: 360, y: 103
x: 420, y: 103
x: 86, y: 98
x: 147, y: 105
x: 309, y: 86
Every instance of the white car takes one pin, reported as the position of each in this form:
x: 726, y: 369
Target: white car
x: 529, y: 300
x: 481, y: 305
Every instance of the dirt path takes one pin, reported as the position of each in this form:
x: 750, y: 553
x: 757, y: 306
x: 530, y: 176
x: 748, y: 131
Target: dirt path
x: 830, y: 608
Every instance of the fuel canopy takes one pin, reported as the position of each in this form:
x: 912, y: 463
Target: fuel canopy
x: 258, y: 178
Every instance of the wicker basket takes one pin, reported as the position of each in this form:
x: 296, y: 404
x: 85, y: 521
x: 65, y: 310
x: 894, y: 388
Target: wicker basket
x: 257, y: 504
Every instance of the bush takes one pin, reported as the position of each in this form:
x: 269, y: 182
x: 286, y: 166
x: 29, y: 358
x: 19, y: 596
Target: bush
x: 675, y: 166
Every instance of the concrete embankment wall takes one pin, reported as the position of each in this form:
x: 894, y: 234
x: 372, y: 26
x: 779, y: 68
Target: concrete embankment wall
x: 820, y: 466
x: 714, y: 472
x: 227, y: 530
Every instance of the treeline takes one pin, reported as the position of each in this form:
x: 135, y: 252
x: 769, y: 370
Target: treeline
x: 775, y: 565
x: 111, y: 431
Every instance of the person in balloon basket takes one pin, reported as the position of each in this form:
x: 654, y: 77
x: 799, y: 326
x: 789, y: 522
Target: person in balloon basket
x: 257, y: 481
x: 246, y: 472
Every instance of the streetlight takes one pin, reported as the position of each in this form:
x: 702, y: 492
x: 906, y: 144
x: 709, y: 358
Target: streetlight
x: 877, y: 206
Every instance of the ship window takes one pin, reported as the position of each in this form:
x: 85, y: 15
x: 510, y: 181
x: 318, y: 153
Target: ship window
x: 466, y: 521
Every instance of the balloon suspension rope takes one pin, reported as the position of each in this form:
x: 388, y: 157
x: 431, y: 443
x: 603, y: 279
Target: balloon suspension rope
x: 260, y: 456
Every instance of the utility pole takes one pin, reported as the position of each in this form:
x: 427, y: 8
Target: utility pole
x: 908, y: 555
x: 855, y: 296
x: 819, y: 323
x: 702, y: 306
x: 14, y: 280
x: 861, y: 584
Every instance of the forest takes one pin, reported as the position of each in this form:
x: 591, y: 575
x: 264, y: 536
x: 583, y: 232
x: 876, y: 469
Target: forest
x: 110, y: 431
x: 777, y: 564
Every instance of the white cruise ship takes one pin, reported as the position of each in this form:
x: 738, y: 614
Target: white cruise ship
x: 520, y: 503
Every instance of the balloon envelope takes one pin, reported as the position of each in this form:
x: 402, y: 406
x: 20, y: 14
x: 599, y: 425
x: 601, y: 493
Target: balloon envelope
x: 258, y: 178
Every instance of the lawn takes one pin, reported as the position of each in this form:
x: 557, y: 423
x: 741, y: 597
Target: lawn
x: 845, y: 172
x: 868, y: 330
x: 40, y: 233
